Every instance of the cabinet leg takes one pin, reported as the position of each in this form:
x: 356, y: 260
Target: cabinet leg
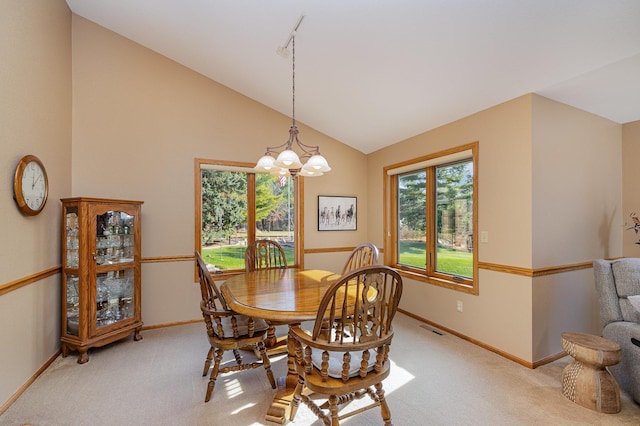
x: 136, y: 335
x: 65, y: 351
x: 83, y: 357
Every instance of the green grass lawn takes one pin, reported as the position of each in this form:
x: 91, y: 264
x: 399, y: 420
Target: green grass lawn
x: 413, y: 253
x: 232, y: 257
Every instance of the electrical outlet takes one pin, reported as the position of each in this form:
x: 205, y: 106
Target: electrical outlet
x: 459, y: 305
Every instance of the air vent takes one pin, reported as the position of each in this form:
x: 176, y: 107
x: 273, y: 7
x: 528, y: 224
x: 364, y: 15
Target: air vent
x: 433, y: 330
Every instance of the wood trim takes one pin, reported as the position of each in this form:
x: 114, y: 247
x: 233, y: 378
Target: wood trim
x: 21, y: 282
x: 28, y: 383
x: 443, y: 153
x: 171, y: 324
x: 332, y: 250
x: 160, y: 259
x: 538, y: 272
x: 502, y: 353
x: 327, y: 250
x: 298, y: 221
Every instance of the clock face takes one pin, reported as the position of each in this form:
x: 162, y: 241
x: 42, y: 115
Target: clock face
x: 34, y: 188
x: 30, y: 185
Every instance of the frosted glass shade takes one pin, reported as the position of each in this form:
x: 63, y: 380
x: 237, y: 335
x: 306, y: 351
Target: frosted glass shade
x: 318, y: 162
x: 279, y: 171
x: 266, y: 164
x: 288, y: 160
x: 309, y: 172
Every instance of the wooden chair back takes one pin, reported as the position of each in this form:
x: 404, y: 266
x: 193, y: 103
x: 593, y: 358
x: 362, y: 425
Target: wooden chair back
x: 208, y: 289
x: 345, y: 366
x: 372, y: 297
x: 365, y: 254
x: 228, y: 330
x: 264, y: 254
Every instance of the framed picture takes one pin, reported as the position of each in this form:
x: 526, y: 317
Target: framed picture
x: 337, y: 213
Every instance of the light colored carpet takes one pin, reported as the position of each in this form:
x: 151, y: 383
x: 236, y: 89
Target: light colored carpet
x: 435, y: 380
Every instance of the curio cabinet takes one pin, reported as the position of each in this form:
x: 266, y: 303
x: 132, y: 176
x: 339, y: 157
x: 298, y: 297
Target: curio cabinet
x: 100, y: 274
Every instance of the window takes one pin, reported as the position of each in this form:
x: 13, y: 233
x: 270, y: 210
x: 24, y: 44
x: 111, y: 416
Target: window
x: 433, y: 205
x: 235, y: 206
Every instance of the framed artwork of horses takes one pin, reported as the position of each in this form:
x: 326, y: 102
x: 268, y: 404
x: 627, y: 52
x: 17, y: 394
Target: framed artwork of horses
x: 337, y: 213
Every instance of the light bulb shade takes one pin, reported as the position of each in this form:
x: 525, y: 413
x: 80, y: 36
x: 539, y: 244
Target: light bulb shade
x: 279, y: 171
x: 309, y: 172
x: 288, y: 160
x: 266, y: 164
x: 318, y: 162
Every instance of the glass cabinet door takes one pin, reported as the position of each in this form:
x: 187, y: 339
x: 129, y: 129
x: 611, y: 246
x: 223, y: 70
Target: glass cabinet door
x: 114, y: 238
x: 73, y: 304
x: 115, y: 245
x: 114, y: 296
x: 71, y: 237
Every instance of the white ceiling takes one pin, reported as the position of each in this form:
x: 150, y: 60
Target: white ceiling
x: 370, y: 73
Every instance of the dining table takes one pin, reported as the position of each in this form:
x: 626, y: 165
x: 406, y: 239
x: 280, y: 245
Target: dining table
x: 287, y: 296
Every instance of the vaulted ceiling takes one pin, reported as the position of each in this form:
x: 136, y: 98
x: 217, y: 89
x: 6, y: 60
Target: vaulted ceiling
x: 372, y: 73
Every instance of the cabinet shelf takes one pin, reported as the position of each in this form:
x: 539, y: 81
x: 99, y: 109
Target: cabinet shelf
x: 101, y: 283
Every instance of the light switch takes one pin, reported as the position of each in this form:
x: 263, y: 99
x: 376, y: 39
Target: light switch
x: 484, y: 236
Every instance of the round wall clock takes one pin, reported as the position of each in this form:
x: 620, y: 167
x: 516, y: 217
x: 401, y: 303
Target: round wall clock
x: 30, y: 185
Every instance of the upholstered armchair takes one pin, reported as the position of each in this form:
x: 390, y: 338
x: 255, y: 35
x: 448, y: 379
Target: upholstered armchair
x: 615, y: 281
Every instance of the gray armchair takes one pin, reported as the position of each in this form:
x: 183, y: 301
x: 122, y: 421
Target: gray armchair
x: 615, y: 281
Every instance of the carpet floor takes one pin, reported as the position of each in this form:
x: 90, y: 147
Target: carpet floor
x: 436, y: 379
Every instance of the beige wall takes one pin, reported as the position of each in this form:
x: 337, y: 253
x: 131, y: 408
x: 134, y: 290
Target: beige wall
x: 630, y: 186
x: 35, y: 118
x: 549, y: 195
x: 500, y: 316
x: 577, y: 198
x: 139, y: 122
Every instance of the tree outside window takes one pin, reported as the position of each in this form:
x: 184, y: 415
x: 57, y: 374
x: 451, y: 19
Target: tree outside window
x: 433, y: 233
x: 238, y: 207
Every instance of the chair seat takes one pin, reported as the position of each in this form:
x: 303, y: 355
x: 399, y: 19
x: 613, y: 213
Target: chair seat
x: 335, y: 362
x: 243, y: 325
x: 332, y: 385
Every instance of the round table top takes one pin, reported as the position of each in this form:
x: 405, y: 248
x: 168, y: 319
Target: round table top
x: 283, y: 295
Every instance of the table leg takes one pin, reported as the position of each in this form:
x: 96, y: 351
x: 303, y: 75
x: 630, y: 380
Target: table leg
x: 279, y: 409
x: 275, y: 345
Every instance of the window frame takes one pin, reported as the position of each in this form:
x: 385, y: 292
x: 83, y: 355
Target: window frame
x: 390, y: 188
x: 224, y: 165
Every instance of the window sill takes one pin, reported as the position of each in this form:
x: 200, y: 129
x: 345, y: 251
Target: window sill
x: 450, y: 284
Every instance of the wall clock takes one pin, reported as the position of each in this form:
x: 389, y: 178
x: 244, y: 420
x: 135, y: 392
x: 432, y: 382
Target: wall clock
x: 30, y: 185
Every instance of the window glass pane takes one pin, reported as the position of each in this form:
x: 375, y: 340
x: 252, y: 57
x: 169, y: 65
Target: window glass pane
x: 454, y: 219
x: 224, y: 218
x: 275, y: 212
x: 412, y: 219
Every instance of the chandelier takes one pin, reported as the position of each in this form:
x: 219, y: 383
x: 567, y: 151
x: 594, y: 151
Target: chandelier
x: 288, y: 163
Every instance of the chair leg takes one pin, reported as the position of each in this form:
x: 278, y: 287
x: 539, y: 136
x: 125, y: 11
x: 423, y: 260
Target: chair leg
x: 295, y: 401
x: 266, y: 363
x: 207, y: 362
x: 214, y: 374
x: 333, y: 407
x: 384, y: 408
x: 236, y: 354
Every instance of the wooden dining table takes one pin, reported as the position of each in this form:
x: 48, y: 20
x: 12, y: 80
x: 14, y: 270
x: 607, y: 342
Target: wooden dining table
x: 288, y: 296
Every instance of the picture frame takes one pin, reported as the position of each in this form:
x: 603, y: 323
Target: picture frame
x: 337, y: 213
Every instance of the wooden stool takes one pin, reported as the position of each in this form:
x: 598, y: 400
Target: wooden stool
x: 586, y: 381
